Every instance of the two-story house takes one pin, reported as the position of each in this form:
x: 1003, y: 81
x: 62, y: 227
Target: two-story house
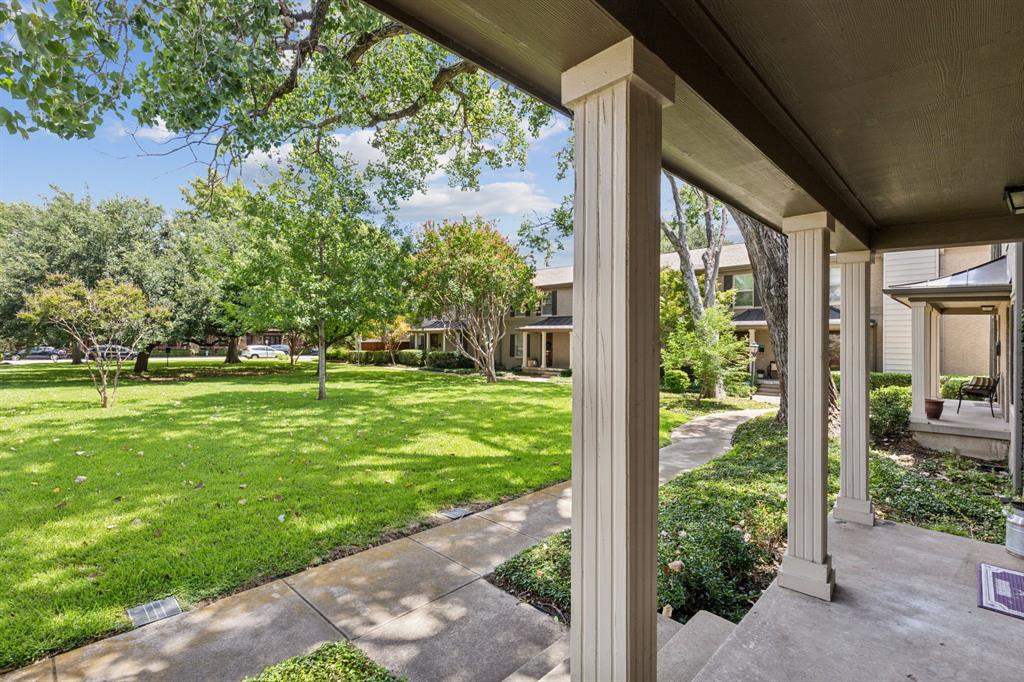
x: 538, y: 340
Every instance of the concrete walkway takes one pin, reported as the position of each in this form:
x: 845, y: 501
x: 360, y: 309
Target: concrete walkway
x: 418, y: 605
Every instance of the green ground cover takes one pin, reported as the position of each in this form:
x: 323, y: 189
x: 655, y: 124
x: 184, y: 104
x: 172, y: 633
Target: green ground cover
x: 336, y: 662
x: 204, y: 479
x: 722, y: 526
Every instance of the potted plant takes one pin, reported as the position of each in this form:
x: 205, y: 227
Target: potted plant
x: 933, y: 408
x: 1014, y: 513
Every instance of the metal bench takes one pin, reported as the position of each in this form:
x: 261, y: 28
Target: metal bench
x: 979, y: 387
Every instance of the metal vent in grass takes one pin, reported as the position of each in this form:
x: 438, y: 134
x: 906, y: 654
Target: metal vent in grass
x: 154, y: 611
x: 455, y: 514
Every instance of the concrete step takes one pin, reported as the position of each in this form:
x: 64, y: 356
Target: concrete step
x: 768, y: 389
x: 552, y: 664
x: 692, y: 646
x: 543, y: 663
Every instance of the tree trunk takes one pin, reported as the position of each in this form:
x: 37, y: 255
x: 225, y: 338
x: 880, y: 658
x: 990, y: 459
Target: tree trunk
x: 321, y: 361
x: 232, y: 357
x: 77, y: 354
x: 142, y: 359
x: 769, y: 259
x: 488, y: 367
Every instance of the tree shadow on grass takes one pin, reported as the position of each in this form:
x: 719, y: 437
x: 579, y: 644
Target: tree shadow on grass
x: 198, y: 488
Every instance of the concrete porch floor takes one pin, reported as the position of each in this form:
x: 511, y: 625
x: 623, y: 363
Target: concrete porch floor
x: 974, y: 432
x: 905, y: 608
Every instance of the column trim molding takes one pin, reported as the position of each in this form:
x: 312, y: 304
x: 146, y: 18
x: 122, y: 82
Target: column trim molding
x: 625, y: 60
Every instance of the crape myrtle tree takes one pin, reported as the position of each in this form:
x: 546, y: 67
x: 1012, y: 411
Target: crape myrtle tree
x: 391, y: 332
x: 111, y: 312
x: 315, y: 263
x: 230, y: 78
x: 467, y: 272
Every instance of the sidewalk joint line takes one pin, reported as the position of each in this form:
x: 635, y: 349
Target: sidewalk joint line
x: 318, y: 611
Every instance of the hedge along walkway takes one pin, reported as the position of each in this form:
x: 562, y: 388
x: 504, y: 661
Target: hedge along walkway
x: 418, y: 605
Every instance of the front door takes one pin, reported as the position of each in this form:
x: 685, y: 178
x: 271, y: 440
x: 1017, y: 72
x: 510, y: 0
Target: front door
x: 547, y: 350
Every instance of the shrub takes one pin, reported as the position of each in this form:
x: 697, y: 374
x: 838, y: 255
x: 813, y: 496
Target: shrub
x: 676, y: 381
x: 880, y: 379
x: 889, y: 410
x: 410, y: 357
x: 359, y: 357
x: 739, y: 389
x: 337, y: 354
x: 448, y: 360
x: 333, y: 662
x: 951, y: 384
x: 567, y: 372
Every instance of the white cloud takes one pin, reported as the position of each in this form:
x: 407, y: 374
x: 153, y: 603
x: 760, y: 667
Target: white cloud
x: 158, y: 133
x: 492, y: 200
x: 557, y: 126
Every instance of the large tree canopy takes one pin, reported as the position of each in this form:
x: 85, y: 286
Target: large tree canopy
x: 234, y: 77
x: 122, y: 237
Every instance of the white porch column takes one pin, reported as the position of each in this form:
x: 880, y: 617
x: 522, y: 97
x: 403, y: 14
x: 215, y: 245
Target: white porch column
x: 923, y: 377
x: 807, y: 566
x: 526, y: 355
x: 854, y: 501
x: 616, y: 97
x: 752, y: 342
x: 543, y: 349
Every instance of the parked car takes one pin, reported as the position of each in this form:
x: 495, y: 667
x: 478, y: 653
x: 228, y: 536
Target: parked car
x: 40, y: 353
x: 110, y: 352
x: 254, y: 352
x: 282, y: 348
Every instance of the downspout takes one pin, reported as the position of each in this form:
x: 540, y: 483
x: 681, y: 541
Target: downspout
x: 1017, y: 336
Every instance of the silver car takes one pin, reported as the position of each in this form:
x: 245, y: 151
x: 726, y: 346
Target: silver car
x: 255, y: 352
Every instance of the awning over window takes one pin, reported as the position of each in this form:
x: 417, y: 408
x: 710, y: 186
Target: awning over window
x: 550, y: 324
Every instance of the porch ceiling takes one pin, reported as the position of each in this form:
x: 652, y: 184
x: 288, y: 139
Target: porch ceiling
x: 903, y: 123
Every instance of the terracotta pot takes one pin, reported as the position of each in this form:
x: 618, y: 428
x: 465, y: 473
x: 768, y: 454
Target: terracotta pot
x: 933, y: 408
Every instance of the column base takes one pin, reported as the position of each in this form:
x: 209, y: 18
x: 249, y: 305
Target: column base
x: 807, y: 577
x: 854, y: 510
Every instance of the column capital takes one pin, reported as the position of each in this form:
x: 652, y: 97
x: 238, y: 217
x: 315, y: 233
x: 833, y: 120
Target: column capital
x: 854, y: 256
x: 819, y: 220
x: 625, y: 60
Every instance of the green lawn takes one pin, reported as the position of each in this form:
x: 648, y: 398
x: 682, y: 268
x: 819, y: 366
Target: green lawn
x: 205, y: 479
x: 725, y: 522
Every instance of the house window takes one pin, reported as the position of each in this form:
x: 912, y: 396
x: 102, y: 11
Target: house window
x: 746, y: 296
x: 513, y: 350
x: 548, y: 304
x: 833, y: 286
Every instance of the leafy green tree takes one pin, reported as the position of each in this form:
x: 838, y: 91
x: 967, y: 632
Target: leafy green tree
x: 122, y: 238
x: 111, y: 312
x: 233, y: 77
x: 466, y: 272
x: 709, y: 349
x: 315, y: 263
x: 205, y: 259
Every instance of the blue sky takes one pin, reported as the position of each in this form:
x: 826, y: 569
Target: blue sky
x: 112, y: 162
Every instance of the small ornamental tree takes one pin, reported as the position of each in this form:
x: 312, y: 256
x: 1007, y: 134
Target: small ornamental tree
x: 468, y: 273
x: 391, y: 334
x: 709, y: 349
x: 110, y: 313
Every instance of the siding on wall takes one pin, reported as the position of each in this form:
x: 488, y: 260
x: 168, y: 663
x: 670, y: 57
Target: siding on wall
x: 902, y: 267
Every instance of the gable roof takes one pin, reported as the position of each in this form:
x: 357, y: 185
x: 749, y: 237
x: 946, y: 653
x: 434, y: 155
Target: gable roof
x: 733, y: 256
